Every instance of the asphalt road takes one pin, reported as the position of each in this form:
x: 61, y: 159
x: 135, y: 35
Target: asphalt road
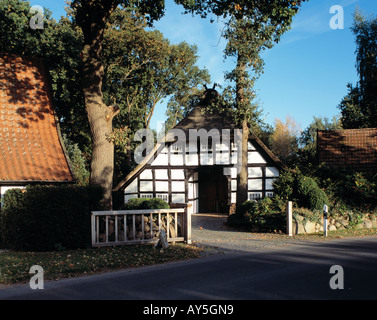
x: 291, y: 273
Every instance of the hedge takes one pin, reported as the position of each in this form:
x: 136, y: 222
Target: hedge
x: 145, y: 203
x: 48, y: 218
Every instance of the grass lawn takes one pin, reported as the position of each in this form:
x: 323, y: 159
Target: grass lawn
x: 15, y: 266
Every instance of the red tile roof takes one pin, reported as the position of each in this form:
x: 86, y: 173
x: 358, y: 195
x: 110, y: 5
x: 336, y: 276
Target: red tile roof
x: 30, y: 146
x: 354, y: 148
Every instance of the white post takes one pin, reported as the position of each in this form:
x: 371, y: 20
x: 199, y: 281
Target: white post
x: 325, y: 213
x: 289, y: 219
x: 187, y: 224
x: 93, y: 219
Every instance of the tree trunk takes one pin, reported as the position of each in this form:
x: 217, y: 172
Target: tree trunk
x: 242, y: 176
x: 242, y: 105
x: 100, y: 116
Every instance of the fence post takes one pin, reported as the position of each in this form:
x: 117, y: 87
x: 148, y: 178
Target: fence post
x: 93, y: 228
x: 187, y: 219
x: 289, y: 219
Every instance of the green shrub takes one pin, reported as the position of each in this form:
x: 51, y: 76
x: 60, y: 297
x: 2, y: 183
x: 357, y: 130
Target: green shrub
x: 145, y: 203
x: 46, y: 218
x: 354, y: 189
x: 303, y: 190
x: 310, y: 195
x: 265, y: 215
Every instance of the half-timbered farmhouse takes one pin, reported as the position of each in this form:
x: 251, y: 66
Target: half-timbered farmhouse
x: 197, y: 161
x: 31, y: 150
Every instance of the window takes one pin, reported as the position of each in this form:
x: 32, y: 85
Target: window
x: 162, y: 196
x: 255, y: 196
x: 146, y: 195
x: 176, y: 147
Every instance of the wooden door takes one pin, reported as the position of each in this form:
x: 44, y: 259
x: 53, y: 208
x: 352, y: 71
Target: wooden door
x: 213, y: 192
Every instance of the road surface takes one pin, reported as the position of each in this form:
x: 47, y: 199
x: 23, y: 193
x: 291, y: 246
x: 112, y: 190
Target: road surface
x: 299, y: 272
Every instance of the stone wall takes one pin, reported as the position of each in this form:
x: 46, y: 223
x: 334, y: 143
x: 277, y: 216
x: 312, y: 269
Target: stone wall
x: 302, y: 225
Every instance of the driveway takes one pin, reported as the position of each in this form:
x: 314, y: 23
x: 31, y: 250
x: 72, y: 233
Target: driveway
x: 210, y: 230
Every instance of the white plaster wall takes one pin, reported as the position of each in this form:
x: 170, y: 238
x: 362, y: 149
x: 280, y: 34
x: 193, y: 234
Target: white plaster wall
x: 161, y: 174
x: 178, y: 186
x: 255, y: 157
x: 177, y: 174
x: 254, y: 172
x: 146, y: 174
x: 254, y: 184
x: 162, y: 186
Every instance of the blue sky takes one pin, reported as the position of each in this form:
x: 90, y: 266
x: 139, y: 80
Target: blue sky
x: 305, y: 74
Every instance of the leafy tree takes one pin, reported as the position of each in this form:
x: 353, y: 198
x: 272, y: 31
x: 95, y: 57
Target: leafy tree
x: 142, y: 68
x: 359, y: 106
x: 129, y: 67
x: 308, y: 138
x: 92, y: 17
x: 284, y: 139
x: 251, y: 27
x: 16, y: 35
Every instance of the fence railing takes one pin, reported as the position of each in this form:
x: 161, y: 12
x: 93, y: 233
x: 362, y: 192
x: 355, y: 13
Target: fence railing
x: 124, y: 227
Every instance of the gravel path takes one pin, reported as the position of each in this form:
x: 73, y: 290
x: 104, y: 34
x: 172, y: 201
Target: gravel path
x: 210, y: 231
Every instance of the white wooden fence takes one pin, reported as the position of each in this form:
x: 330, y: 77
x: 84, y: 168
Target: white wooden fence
x: 110, y: 228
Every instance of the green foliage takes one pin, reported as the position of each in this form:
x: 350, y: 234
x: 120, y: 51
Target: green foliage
x: 353, y: 116
x: 145, y: 203
x: 141, y: 67
x: 265, y: 215
x: 346, y: 187
x: 16, y: 34
x: 292, y: 185
x: 308, y: 140
x: 310, y: 195
x: 46, y: 218
x: 365, y: 189
x: 78, y: 161
x: 285, y: 185
x: 359, y: 106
